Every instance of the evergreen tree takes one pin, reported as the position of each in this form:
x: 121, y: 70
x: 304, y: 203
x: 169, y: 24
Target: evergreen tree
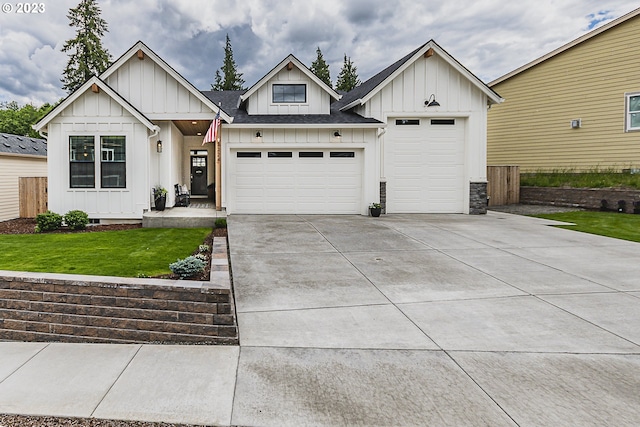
x: 348, y: 77
x: 230, y: 79
x: 87, y: 56
x: 320, y: 68
x: 18, y: 120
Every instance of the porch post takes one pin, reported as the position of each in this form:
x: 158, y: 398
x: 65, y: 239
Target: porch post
x: 218, y: 154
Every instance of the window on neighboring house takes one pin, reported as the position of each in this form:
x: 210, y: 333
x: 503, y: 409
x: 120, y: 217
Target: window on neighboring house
x: 82, y: 166
x: 290, y: 93
x: 633, y: 111
x: 113, y: 164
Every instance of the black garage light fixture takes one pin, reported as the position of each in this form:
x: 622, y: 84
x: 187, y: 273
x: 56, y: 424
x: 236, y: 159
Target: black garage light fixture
x: 431, y: 102
x: 258, y: 134
x: 337, y: 134
x: 159, y: 146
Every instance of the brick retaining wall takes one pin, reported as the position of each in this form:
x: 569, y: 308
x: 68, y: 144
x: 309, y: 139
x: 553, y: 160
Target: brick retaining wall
x: 586, y: 198
x: 71, y: 308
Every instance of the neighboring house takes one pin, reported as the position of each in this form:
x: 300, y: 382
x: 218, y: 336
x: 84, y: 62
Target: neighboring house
x: 290, y: 144
x: 20, y: 156
x: 577, y: 107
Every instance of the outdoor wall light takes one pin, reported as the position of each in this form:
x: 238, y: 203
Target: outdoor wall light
x: 159, y: 146
x: 337, y: 134
x: 258, y: 134
x: 431, y: 102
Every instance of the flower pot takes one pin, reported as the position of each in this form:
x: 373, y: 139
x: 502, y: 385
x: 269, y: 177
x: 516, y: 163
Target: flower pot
x: 161, y: 202
x: 375, y: 212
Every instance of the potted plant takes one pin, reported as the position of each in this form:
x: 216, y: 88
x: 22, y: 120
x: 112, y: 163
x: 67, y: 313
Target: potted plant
x: 375, y: 209
x: 160, y: 197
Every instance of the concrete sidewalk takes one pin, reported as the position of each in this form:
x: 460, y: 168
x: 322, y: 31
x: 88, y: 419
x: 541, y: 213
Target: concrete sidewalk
x: 399, y: 320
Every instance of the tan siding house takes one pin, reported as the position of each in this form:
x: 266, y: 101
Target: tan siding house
x: 20, y: 156
x: 574, y: 107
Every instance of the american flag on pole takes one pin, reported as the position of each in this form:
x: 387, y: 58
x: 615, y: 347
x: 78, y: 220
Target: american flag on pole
x: 214, y: 130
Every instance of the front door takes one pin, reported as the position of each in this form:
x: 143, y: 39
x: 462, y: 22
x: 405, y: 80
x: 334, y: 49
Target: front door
x: 199, y: 175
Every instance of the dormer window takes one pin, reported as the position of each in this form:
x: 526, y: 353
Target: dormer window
x: 289, y: 93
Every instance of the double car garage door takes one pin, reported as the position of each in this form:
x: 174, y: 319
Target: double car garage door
x: 296, y: 181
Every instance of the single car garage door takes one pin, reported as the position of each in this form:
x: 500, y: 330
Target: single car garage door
x: 296, y: 181
x: 424, y: 165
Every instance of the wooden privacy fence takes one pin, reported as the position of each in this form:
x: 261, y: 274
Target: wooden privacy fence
x: 33, y: 196
x: 503, y: 187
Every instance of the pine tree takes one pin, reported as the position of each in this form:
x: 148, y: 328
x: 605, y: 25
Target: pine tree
x: 230, y: 79
x: 320, y: 68
x: 87, y: 56
x: 348, y: 77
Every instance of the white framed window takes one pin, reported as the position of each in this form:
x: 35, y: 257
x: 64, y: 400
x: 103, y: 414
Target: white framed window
x: 632, y: 111
x: 289, y: 93
x: 83, y: 162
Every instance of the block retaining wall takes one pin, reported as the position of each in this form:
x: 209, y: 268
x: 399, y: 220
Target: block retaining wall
x: 72, y: 308
x: 585, y: 198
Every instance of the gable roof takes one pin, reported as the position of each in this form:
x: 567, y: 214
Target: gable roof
x: 568, y: 46
x: 140, y: 46
x: 22, y: 145
x: 81, y: 91
x: 369, y: 88
x: 289, y: 59
x: 230, y: 100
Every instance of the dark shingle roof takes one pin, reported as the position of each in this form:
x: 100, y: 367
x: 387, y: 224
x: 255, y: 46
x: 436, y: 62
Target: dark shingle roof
x: 364, y: 88
x: 16, y: 144
x: 228, y: 99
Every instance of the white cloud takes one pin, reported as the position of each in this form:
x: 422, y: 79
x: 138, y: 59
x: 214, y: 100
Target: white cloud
x: 490, y: 37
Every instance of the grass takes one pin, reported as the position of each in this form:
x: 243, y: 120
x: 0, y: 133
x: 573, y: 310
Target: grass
x: 593, y: 178
x: 610, y: 224
x: 128, y: 253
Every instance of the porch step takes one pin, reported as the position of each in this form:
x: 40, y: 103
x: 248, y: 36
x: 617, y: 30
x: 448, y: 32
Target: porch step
x: 181, y: 217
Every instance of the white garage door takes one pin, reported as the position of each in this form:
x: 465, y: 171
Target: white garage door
x: 296, y: 181
x: 424, y: 165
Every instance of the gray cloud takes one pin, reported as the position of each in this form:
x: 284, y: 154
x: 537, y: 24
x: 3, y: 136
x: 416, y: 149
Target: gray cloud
x: 490, y: 37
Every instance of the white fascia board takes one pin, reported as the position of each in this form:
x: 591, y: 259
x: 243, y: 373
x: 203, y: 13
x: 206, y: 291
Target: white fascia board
x: 81, y: 91
x: 306, y: 126
x: 169, y: 70
x: 335, y: 95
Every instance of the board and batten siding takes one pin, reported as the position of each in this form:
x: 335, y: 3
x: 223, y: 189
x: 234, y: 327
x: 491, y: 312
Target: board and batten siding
x: 405, y: 97
x: 532, y: 128
x: 11, y: 168
x: 98, y: 115
x: 318, y: 100
x: 155, y: 93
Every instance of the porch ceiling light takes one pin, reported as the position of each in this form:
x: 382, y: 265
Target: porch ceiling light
x: 159, y: 146
x: 431, y: 102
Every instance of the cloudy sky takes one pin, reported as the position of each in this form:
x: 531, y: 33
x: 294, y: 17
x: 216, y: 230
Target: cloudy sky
x: 489, y: 37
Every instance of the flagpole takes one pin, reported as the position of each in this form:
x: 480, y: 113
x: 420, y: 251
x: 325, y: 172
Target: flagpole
x: 218, y: 154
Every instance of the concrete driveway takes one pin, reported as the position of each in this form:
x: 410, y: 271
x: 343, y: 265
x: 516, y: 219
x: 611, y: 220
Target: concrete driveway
x: 433, y: 320
x: 404, y: 320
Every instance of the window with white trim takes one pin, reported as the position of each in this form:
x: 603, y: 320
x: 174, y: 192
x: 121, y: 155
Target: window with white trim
x: 113, y: 166
x: 289, y: 93
x: 82, y: 162
x: 633, y: 111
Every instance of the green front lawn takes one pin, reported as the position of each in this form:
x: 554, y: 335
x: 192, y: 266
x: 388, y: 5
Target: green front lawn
x: 127, y: 253
x: 610, y: 224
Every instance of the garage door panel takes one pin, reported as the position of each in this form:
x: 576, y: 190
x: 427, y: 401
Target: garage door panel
x: 424, y: 166
x: 298, y: 184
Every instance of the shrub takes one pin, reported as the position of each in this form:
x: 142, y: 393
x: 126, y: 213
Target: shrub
x: 203, y: 248
x: 221, y: 222
x: 76, y: 220
x: 48, y: 221
x: 188, y: 267
x: 201, y: 257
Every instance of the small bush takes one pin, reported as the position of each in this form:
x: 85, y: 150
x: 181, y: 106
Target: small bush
x: 188, y: 267
x: 201, y: 256
x: 221, y: 222
x: 48, y: 221
x: 76, y: 220
x: 203, y: 248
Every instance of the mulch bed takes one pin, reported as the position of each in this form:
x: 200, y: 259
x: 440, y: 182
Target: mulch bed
x: 28, y: 225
